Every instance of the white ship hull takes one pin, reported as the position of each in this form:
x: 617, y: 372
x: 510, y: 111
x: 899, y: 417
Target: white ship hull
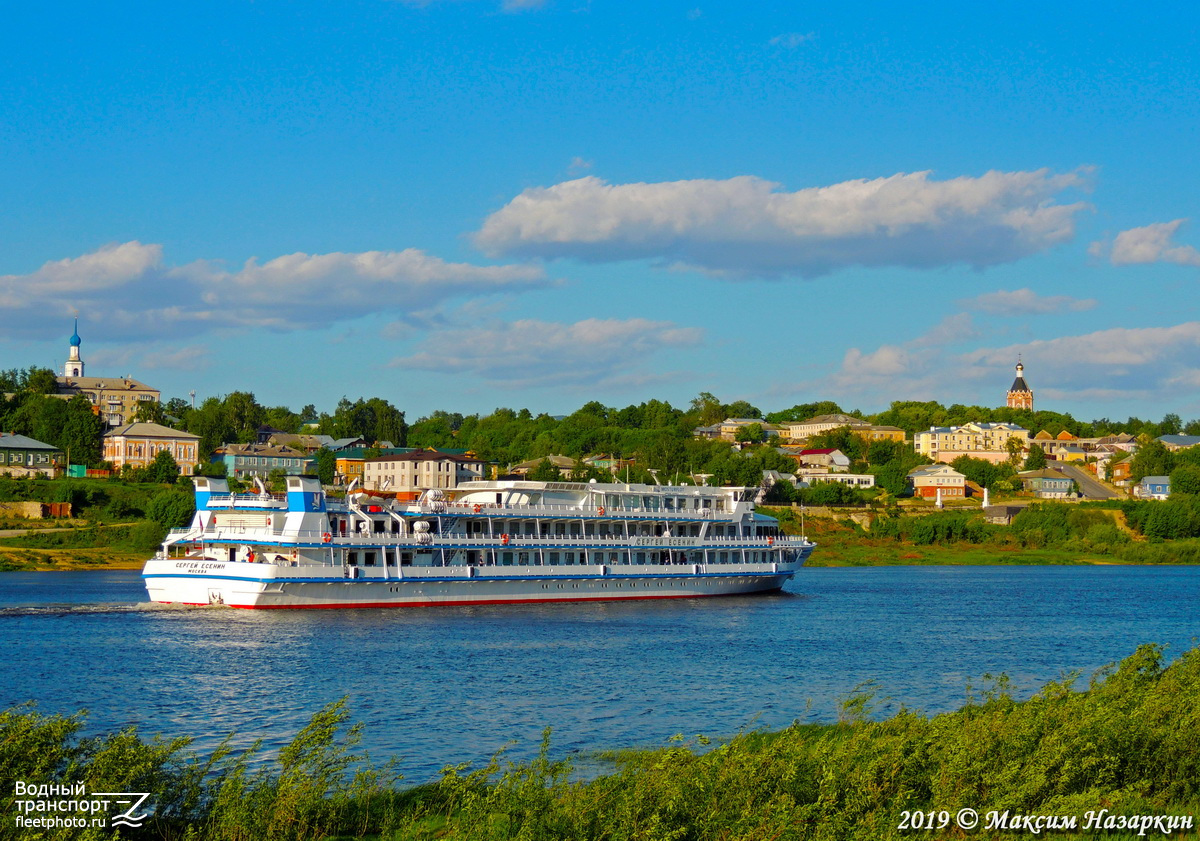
x: 264, y: 586
x: 499, y: 543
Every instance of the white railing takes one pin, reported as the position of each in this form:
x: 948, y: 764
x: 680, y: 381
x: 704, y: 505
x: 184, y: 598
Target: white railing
x: 575, y: 511
x: 649, y: 542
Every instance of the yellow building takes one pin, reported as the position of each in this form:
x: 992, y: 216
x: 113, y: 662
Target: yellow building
x: 987, y: 441
x: 137, y: 444
x: 114, y: 399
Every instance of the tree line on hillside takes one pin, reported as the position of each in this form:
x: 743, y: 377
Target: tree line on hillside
x: 654, y: 434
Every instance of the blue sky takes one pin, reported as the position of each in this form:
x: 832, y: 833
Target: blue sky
x: 465, y: 204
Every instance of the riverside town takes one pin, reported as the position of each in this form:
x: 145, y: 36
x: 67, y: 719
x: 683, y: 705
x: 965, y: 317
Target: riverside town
x: 553, y: 420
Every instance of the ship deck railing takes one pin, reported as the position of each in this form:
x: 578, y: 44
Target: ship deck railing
x: 250, y: 500
x: 636, y: 541
x: 575, y: 511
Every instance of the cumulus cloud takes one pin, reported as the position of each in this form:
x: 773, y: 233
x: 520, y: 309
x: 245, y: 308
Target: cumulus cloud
x: 1026, y: 302
x: 907, y: 365
x: 1121, y: 349
x: 747, y: 226
x: 307, y: 290
x: 1119, y: 365
x: 1148, y: 244
x: 128, y: 289
x: 791, y: 40
x: 530, y: 352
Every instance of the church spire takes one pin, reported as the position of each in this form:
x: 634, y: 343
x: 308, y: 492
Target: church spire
x: 1020, y: 396
x: 74, y: 366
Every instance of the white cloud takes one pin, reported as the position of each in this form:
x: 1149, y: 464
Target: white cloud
x: 109, y: 266
x: 746, y: 226
x: 308, y: 290
x: 791, y: 40
x: 1119, y: 348
x: 1026, y: 302
x: 1148, y: 244
x: 126, y: 289
x: 1122, y: 365
x: 908, y: 363
x: 529, y: 352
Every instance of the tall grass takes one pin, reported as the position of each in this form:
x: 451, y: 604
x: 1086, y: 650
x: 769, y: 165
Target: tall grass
x: 1128, y: 742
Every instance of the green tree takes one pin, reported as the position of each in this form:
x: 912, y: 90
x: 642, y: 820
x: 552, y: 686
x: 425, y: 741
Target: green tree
x: 150, y: 411
x: 707, y: 409
x: 163, y: 468
x: 804, y: 411
x: 326, y: 465
x: 980, y: 471
x: 1014, y: 447
x: 41, y: 381
x: 1185, y: 479
x: 1152, y: 459
x: 1036, y: 460
x: 209, y: 421
x: 82, y: 433
x: 751, y: 433
x: 171, y: 509
x: 545, y: 471
x: 243, y: 415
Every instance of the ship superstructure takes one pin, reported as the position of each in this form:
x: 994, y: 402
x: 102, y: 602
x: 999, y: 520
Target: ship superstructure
x: 484, y: 542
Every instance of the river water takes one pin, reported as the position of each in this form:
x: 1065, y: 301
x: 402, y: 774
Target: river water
x: 435, y: 686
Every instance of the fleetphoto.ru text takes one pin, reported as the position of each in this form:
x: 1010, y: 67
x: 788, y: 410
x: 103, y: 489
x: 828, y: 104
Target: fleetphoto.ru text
x: 71, y: 805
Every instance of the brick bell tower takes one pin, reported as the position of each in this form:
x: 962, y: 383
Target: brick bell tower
x: 1020, y: 396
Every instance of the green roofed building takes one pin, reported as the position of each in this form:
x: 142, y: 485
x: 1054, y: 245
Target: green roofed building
x: 23, y: 456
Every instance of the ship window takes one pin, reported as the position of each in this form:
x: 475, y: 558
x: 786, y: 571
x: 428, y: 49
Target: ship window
x: 560, y: 528
x: 640, y: 557
x: 406, y: 559
x: 597, y: 557
x: 523, y: 558
x: 574, y: 529
x: 669, y: 503
x: 379, y: 526
x: 368, y: 559
x: 506, y: 558
x: 569, y: 558
x: 352, y: 559
x: 589, y: 527
x: 553, y: 559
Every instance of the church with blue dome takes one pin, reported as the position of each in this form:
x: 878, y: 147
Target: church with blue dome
x: 116, y: 398
x: 74, y: 366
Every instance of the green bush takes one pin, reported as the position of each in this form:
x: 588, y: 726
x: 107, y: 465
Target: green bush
x: 172, y: 509
x: 1127, y: 743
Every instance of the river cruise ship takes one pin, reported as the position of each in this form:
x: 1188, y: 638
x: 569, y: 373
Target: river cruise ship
x: 485, y: 542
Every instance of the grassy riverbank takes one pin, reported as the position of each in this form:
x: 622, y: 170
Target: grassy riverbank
x: 80, y: 546
x: 1125, y: 743
x: 840, y: 543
